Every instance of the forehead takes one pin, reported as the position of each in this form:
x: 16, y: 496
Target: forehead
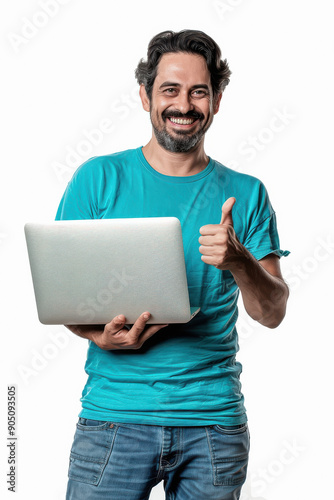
x: 182, y: 68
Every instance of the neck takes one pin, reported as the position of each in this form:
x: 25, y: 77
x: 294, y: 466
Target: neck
x: 175, y: 164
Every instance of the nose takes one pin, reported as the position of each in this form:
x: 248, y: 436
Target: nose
x: 184, y: 103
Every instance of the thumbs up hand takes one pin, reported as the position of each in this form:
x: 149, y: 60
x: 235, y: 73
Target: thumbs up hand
x: 220, y: 246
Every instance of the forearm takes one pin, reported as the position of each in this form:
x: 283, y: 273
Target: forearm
x: 88, y: 332
x: 264, y: 296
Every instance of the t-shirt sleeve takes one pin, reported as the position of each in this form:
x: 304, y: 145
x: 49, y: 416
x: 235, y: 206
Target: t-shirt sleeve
x: 262, y: 237
x: 79, y: 200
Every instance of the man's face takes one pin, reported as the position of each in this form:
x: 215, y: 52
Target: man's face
x: 182, y: 106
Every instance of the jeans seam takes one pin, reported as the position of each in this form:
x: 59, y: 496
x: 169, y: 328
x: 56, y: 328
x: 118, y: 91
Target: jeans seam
x: 178, y: 456
x: 101, y: 462
x: 111, y: 445
x: 217, y: 462
x: 211, y: 455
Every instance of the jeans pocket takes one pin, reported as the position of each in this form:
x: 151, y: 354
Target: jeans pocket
x: 91, y: 450
x: 86, y: 424
x: 229, y: 450
x: 231, y: 429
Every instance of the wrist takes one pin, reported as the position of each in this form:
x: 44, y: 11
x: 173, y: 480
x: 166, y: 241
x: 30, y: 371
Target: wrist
x: 241, y: 260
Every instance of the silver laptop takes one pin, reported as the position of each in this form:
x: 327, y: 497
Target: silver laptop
x: 89, y: 271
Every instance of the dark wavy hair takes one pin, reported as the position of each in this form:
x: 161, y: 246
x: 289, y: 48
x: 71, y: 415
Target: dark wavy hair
x: 191, y: 41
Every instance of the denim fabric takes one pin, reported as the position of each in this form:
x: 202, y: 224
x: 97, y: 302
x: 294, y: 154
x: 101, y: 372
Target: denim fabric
x: 116, y: 461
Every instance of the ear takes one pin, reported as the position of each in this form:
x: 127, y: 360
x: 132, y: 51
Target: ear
x: 216, y: 103
x: 144, y: 98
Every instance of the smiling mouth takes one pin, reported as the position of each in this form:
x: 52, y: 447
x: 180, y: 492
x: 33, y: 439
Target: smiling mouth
x: 182, y: 121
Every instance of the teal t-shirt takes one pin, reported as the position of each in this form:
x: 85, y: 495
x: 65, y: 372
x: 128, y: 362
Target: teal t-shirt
x: 184, y: 374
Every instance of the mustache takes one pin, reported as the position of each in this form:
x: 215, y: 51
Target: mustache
x: 178, y: 114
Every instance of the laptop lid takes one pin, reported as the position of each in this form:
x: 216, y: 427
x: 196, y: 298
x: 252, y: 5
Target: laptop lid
x: 89, y: 271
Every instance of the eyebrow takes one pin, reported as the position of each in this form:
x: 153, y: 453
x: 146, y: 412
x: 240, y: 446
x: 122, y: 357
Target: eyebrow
x: 173, y: 84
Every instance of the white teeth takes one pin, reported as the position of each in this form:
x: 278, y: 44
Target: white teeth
x: 182, y: 121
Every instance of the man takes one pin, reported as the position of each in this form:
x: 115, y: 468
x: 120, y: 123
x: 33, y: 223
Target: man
x: 165, y: 402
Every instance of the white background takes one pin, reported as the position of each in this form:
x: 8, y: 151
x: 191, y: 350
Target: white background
x: 64, y: 72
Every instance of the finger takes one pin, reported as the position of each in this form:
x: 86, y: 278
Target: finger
x: 226, y: 218
x: 209, y: 229
x: 139, y: 325
x: 116, y: 323
x: 207, y: 250
x: 209, y: 259
x: 207, y: 240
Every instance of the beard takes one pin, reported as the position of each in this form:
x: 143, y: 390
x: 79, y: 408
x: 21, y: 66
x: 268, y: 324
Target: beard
x: 183, y: 141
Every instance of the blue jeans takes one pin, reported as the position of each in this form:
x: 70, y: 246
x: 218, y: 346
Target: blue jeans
x: 125, y: 461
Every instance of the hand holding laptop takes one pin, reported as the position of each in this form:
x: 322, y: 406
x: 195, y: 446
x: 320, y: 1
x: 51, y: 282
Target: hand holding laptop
x: 115, y: 335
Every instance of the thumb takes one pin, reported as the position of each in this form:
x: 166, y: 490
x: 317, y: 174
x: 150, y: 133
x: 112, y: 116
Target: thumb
x: 227, y: 212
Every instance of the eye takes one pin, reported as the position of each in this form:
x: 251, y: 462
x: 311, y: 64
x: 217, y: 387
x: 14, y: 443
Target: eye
x: 170, y: 90
x: 199, y: 93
